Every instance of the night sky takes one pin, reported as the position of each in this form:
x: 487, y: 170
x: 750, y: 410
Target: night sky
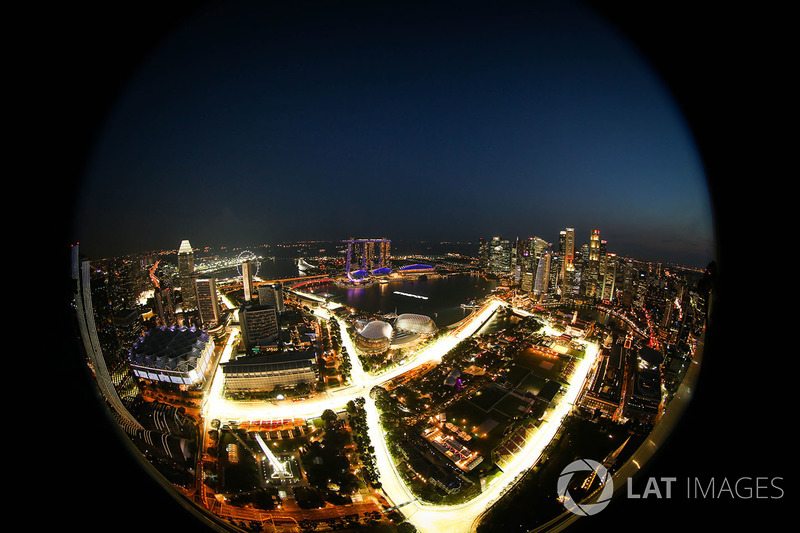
x: 258, y: 115
x: 255, y: 122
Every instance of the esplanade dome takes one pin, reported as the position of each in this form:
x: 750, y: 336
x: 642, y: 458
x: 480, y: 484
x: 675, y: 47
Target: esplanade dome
x: 375, y: 337
x: 376, y: 329
x: 415, y: 323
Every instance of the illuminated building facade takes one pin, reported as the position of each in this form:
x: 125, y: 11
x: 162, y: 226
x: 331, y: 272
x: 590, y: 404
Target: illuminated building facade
x: 367, y: 255
x: 500, y: 255
x: 527, y: 282
x: 164, y: 306
x: 271, y: 295
x: 374, y: 338
x: 567, y: 259
x: 248, y: 270
x: 173, y: 355
x: 100, y: 343
x: 542, y: 279
x: 609, y: 278
x: 186, y: 275
x: 483, y: 254
x: 590, y: 275
x: 207, y: 301
x: 259, y: 323
x: 644, y: 398
x: 265, y: 372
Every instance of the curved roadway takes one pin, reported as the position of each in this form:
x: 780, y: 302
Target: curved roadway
x: 426, y: 517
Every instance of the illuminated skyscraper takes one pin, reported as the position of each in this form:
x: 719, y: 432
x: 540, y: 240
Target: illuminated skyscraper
x: 368, y: 254
x: 271, y: 295
x: 106, y: 358
x: 540, y: 284
x: 590, y: 277
x: 207, y: 301
x: 186, y: 275
x: 258, y: 323
x: 164, y: 306
x: 594, y: 245
x: 248, y: 269
x: 609, y: 278
x: 126, y: 281
x: 527, y: 282
x: 500, y: 255
x: 483, y: 254
x: 567, y: 256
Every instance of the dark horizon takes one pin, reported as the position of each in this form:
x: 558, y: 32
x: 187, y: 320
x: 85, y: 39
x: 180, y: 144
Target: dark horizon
x: 417, y: 121
x: 469, y: 247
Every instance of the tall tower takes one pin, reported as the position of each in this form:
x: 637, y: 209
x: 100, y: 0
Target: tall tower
x: 483, y: 254
x: 590, y: 279
x: 363, y: 254
x: 609, y: 277
x: 567, y: 254
x: 111, y: 369
x: 594, y: 245
x: 207, y: 302
x: 540, y: 284
x: 271, y: 295
x: 186, y: 275
x: 248, y: 269
x: 500, y: 255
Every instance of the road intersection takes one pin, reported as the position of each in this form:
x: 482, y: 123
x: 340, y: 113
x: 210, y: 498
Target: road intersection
x: 426, y: 517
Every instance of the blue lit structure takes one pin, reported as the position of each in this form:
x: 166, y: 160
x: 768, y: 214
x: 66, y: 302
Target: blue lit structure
x: 416, y: 268
x: 365, y: 256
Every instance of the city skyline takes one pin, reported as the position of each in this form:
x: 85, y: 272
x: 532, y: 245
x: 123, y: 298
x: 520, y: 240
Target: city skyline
x: 272, y: 124
x: 720, y: 64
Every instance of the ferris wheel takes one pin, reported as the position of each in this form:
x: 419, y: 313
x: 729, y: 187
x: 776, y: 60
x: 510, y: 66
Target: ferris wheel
x: 247, y: 256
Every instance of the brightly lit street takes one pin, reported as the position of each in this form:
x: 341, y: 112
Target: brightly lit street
x: 426, y: 517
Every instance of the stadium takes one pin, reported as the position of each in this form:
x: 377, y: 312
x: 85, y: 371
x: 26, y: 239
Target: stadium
x: 176, y: 355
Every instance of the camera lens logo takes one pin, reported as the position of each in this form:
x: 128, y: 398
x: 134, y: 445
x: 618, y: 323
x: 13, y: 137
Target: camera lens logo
x: 597, y: 469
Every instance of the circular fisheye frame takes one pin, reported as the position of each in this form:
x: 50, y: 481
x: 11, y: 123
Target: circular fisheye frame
x: 392, y: 266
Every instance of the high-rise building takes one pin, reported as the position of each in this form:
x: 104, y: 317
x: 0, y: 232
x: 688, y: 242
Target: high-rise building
x: 630, y: 276
x: 126, y: 281
x: 609, y: 278
x: 207, y: 301
x: 271, y: 294
x: 129, y: 325
x: 248, y: 271
x: 258, y: 323
x: 567, y: 258
x: 541, y: 281
x: 540, y: 247
x: 186, y: 275
x: 164, y: 306
x: 368, y: 254
x: 594, y: 245
x: 590, y: 276
x: 95, y: 323
x: 500, y: 255
x: 527, y: 282
x: 163, y: 300
x: 483, y: 254
x: 516, y: 249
